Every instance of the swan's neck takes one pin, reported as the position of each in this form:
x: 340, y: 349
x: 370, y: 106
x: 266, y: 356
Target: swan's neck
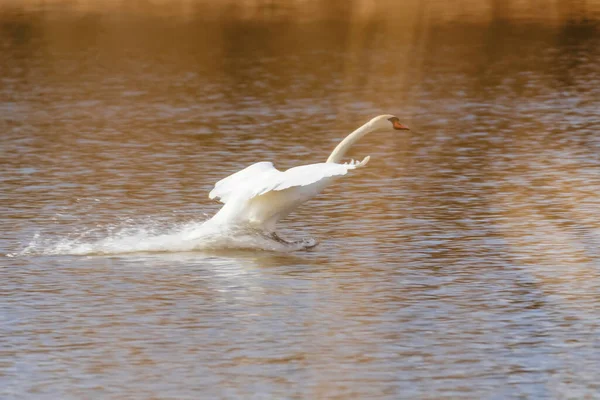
x: 338, y: 153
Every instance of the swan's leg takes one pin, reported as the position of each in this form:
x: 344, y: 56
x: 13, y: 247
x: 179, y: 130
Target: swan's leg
x: 304, y: 243
x: 276, y: 237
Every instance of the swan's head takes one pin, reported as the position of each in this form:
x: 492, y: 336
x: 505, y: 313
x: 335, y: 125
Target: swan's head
x: 386, y: 123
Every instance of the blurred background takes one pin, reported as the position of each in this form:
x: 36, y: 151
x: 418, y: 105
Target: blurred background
x: 464, y: 262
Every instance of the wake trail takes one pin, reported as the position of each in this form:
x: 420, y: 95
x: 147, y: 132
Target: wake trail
x: 149, y: 237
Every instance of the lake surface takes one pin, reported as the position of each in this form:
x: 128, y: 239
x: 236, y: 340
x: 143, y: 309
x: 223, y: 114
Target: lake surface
x: 463, y: 262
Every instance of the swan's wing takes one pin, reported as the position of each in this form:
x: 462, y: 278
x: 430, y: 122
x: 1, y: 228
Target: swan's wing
x: 263, y: 177
x: 240, y: 180
x: 305, y: 175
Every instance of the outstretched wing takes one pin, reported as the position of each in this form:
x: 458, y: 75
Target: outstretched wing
x: 263, y: 177
x: 237, y: 181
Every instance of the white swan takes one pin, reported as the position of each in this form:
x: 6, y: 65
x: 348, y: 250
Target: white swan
x: 258, y: 196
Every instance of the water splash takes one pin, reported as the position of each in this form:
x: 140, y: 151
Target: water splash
x: 154, y: 237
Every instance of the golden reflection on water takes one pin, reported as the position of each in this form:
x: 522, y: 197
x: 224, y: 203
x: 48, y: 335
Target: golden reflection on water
x: 463, y: 262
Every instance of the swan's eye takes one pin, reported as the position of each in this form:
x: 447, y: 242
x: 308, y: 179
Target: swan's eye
x: 397, y: 125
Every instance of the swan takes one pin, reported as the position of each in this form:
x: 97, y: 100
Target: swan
x: 260, y: 195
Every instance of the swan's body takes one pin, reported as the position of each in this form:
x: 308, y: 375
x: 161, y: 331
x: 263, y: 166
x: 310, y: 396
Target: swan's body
x: 261, y: 195
x: 258, y: 196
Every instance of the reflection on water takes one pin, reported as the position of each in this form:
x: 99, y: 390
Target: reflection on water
x: 462, y: 262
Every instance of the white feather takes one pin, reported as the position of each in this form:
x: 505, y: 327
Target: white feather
x: 260, y: 195
x: 261, y: 178
x: 227, y: 186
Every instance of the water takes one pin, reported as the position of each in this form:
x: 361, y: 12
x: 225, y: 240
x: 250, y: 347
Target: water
x: 463, y: 262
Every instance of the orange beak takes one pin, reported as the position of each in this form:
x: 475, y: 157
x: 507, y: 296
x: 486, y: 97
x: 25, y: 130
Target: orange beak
x: 399, y: 127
